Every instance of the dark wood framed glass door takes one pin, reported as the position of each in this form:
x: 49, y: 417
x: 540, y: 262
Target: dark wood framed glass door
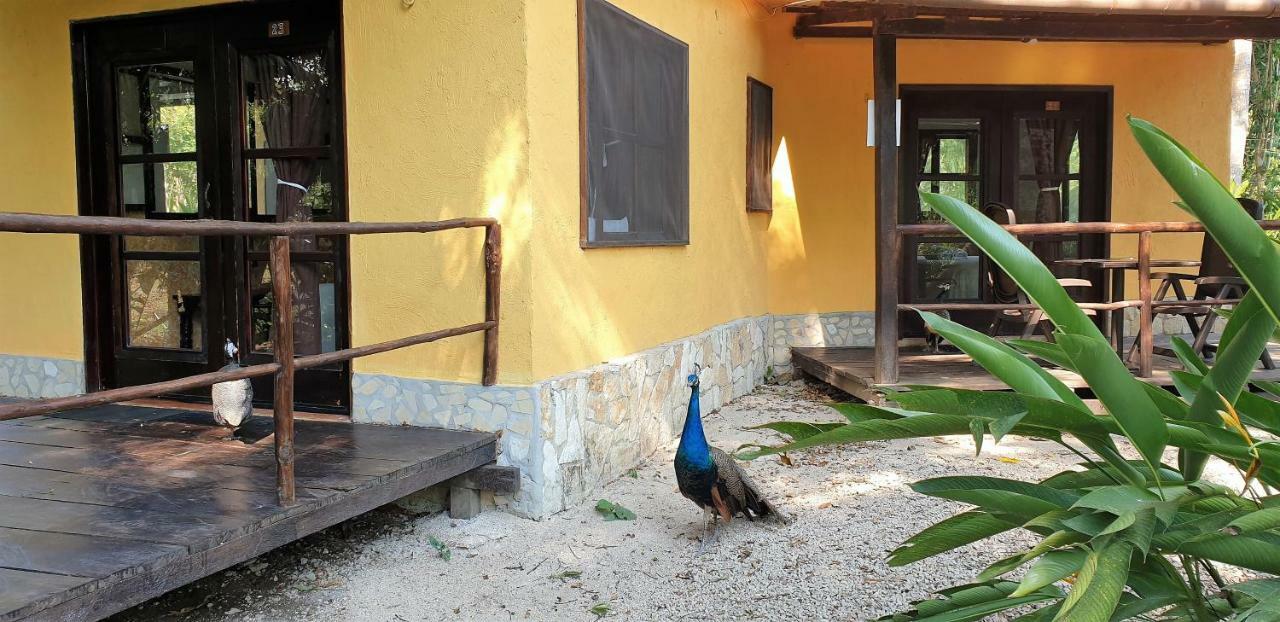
x: 230, y: 112
x: 1042, y: 152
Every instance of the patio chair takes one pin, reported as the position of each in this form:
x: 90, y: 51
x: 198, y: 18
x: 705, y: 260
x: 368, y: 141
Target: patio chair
x: 1004, y: 290
x: 1218, y: 280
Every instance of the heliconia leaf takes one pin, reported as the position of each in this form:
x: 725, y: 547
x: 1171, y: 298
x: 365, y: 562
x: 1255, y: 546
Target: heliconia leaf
x: 1099, y: 585
x: 1053, y: 566
x: 797, y: 430
x: 1241, y: 239
x: 1127, y: 402
x: 1258, y: 551
x: 1169, y: 404
x: 1260, y: 520
x: 862, y: 412
x: 957, y: 531
x: 1120, y: 500
x: 1243, y: 340
x: 1188, y: 357
x: 977, y: 429
x: 874, y: 430
x: 1017, y: 261
x: 1023, y: 500
x: 973, y: 602
x: 1269, y: 386
x: 1003, y: 362
x: 1046, y: 350
x: 1131, y: 608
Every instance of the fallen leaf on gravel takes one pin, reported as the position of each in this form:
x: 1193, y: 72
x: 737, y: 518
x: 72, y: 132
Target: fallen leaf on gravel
x: 600, y: 609
x: 614, y: 511
x: 824, y: 505
x: 1008, y: 460
x: 785, y: 460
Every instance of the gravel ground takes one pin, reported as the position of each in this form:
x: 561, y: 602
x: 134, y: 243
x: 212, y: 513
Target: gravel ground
x: 851, y: 507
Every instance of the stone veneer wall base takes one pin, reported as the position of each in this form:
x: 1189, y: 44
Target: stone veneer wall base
x: 572, y: 433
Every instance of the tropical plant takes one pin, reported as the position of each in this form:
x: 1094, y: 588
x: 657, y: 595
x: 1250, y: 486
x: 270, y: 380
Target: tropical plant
x: 1120, y: 537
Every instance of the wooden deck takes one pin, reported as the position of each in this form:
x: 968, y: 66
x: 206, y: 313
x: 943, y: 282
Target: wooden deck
x: 104, y: 508
x: 852, y: 371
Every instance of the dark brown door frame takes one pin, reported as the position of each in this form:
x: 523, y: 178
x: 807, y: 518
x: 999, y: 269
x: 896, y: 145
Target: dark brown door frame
x: 93, y: 179
x: 994, y: 150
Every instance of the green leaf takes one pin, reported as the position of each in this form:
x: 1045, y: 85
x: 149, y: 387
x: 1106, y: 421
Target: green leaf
x: 1101, y: 582
x: 797, y: 430
x: 1243, y: 340
x: 874, y: 430
x: 1190, y: 360
x: 1022, y: 500
x: 1003, y: 362
x: 1259, y: 551
x: 1017, y: 261
x: 973, y: 602
x: 1046, y: 350
x: 1127, y: 402
x: 614, y: 511
x: 1261, y: 520
x: 1243, y: 241
x: 1054, y: 566
x: 862, y: 412
x: 957, y: 531
x: 977, y: 430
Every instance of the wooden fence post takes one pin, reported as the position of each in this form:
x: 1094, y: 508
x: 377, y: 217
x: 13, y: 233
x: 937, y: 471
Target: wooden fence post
x: 282, y: 345
x: 492, y: 296
x: 1146, y: 337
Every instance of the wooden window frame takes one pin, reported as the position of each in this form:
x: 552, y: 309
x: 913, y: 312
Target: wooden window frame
x: 584, y: 180
x: 756, y: 203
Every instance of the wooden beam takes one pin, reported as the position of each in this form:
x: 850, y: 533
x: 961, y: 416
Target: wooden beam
x: 492, y: 300
x: 1056, y: 27
x: 885, y: 69
x: 500, y: 479
x: 282, y: 344
x: 115, y: 225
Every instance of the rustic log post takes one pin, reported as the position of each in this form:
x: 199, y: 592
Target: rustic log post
x: 1146, y: 337
x: 492, y: 298
x: 884, y: 52
x: 282, y: 345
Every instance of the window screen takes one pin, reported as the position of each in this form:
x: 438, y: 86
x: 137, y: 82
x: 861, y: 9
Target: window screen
x: 759, y: 146
x: 637, y: 131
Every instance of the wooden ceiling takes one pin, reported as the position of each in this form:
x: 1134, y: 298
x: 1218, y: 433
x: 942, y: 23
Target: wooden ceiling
x: 1081, y: 21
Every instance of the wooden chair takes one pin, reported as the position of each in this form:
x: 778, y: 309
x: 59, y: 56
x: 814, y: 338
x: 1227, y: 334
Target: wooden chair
x: 1218, y: 280
x: 1004, y: 290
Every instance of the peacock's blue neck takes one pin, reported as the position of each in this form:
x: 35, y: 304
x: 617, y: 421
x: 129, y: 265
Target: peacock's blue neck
x: 693, y: 442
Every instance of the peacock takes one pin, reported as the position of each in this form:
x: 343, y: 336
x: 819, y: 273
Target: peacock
x: 232, y: 400
x: 710, y: 478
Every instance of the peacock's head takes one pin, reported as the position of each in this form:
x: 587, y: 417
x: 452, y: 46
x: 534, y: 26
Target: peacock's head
x: 693, y: 378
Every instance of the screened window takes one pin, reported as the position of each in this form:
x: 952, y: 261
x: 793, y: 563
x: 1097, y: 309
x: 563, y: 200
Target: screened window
x: 636, y: 118
x: 759, y: 146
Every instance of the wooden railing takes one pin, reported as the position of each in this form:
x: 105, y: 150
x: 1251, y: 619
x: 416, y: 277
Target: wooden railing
x: 284, y: 362
x: 886, y: 356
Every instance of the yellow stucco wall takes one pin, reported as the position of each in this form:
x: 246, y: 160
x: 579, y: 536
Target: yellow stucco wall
x: 466, y: 108
x: 822, y: 236
x: 435, y: 116
x: 593, y: 305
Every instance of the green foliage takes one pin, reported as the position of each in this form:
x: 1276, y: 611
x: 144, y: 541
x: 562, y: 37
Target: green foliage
x: 614, y: 511
x: 443, y: 549
x: 1118, y: 539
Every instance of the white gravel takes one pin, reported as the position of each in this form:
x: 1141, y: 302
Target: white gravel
x: 851, y: 507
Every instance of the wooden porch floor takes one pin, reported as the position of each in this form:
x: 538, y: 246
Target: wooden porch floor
x: 851, y: 370
x: 104, y: 508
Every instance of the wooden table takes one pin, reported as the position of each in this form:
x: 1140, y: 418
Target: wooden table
x: 1113, y: 273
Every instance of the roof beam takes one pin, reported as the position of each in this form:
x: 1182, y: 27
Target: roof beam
x: 904, y: 21
x: 1058, y: 29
